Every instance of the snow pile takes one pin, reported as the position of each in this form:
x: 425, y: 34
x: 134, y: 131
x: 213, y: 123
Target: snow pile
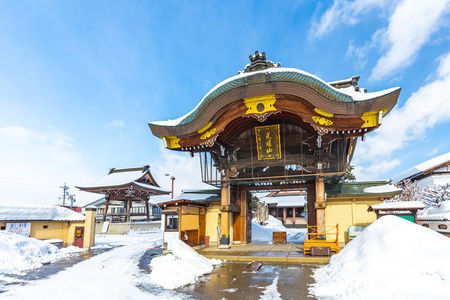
x: 19, y: 253
x: 391, y: 259
x: 180, y: 268
x: 264, y: 234
x: 435, y: 213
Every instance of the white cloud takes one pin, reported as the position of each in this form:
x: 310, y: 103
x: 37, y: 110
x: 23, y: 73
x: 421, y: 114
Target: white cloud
x: 34, y: 164
x: 410, y: 28
x: 411, y: 24
x: 344, y: 12
x: 115, y: 124
x: 426, y: 108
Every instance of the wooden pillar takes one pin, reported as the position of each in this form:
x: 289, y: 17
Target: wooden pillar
x: 128, y: 209
x: 320, y: 205
x: 293, y: 216
x: 105, y: 209
x: 244, y: 217
x: 225, y: 241
x: 146, y: 210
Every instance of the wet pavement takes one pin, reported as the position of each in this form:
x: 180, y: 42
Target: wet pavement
x: 229, y: 281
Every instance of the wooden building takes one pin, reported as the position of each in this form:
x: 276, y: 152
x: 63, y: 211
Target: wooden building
x: 193, y: 217
x: 274, y: 128
x: 288, y: 207
x: 122, y: 189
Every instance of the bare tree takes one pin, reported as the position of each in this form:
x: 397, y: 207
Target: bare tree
x: 435, y: 194
x: 411, y: 191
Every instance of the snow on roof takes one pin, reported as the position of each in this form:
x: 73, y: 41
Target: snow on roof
x: 286, y: 201
x: 37, y: 213
x: 198, y: 197
x: 435, y: 213
x: 154, y: 200
x: 118, y: 178
x: 399, y: 205
x: 125, y: 178
x: 387, y: 188
x: 356, y: 96
x: 423, y: 166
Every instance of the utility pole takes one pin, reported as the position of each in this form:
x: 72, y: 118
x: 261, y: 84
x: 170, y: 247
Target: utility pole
x: 65, y: 191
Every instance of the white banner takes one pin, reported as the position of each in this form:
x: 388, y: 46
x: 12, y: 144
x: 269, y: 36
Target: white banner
x: 19, y: 228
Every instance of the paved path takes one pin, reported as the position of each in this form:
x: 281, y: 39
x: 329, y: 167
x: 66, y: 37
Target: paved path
x: 276, y: 254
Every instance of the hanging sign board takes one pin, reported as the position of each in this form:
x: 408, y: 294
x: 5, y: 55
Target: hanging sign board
x: 268, y: 142
x: 19, y: 228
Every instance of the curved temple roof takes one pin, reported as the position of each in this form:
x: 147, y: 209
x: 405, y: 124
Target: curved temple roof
x: 336, y: 100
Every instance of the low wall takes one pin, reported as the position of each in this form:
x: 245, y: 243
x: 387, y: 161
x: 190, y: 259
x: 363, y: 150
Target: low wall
x: 124, y: 228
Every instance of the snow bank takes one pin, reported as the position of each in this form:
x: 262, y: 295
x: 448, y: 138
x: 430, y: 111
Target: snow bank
x: 264, y: 234
x: 19, y: 253
x: 391, y: 259
x: 180, y: 268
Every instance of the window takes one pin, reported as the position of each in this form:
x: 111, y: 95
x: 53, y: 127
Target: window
x: 100, y: 211
x: 273, y: 211
x: 171, y: 222
x: 113, y: 210
x: 425, y: 225
x: 156, y: 210
x: 442, y: 226
x: 280, y: 212
x: 121, y: 210
x: 298, y: 212
x: 45, y: 226
x: 290, y: 212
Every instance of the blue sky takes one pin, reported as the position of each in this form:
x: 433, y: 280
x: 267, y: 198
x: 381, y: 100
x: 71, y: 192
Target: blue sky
x: 80, y: 80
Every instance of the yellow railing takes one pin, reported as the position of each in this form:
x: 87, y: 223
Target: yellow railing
x: 322, y: 236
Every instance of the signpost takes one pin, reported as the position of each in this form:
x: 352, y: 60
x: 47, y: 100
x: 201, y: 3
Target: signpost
x: 19, y: 228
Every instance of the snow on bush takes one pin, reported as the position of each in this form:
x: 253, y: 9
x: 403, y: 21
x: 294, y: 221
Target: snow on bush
x: 391, y: 259
x: 264, y: 233
x: 19, y: 253
x: 180, y: 268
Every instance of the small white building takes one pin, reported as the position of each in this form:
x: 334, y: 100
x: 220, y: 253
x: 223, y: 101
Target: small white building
x: 431, y: 172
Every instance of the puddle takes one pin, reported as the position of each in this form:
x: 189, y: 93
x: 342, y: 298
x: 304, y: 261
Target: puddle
x: 228, y: 281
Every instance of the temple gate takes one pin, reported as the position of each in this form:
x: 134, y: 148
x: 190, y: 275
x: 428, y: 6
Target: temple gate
x: 275, y: 128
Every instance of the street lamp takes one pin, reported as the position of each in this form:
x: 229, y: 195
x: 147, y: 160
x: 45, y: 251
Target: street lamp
x: 173, y: 179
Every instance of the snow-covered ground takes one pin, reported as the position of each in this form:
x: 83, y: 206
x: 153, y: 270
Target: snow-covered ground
x: 391, y: 259
x: 264, y: 234
x: 111, y: 275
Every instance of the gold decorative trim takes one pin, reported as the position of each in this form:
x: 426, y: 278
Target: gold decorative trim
x: 171, y: 142
x: 322, y: 121
x: 208, y: 134
x: 323, y: 113
x: 260, y: 104
x: 204, y: 128
x: 371, y: 118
